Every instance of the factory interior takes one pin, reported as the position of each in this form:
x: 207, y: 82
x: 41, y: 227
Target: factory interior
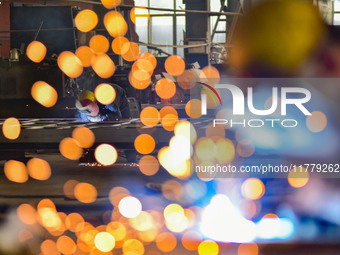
x: 175, y: 127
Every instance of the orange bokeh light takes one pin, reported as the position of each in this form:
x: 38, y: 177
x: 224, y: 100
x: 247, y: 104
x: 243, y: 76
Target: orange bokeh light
x: 149, y: 57
x: 166, y: 242
x: 187, y: 80
x: 145, y: 144
x: 39, y: 169
x: 86, y: 20
x: 44, y: 94
x: 106, y: 154
x: 148, y: 165
x: 248, y: 249
x: 70, y: 148
x: 150, y: 116
x: 85, y: 54
x: 16, y: 171
x: 66, y: 245
x: 36, y: 51
x: 139, y: 12
x: 103, y: 66
x: 110, y: 4
x: 210, y: 75
x: 193, y: 108
x: 85, y: 193
x: 138, y: 84
x: 115, y: 24
x: 69, y: 188
x: 167, y: 110
x: 298, y: 177
x: 27, y: 214
x: 84, y: 136
x: 175, y: 65
x: 118, y: 43
x: 11, y: 128
x: 165, y: 88
x: 99, y: 44
x: 49, y: 247
x: 131, y: 50
x: 191, y: 240
x: 70, y: 64
x: 105, y: 93
x: 169, y: 121
x: 75, y: 222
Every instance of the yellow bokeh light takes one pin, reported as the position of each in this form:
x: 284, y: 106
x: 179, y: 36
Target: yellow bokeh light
x: 44, y: 94
x: 115, y: 24
x: 298, y: 177
x: 16, y: 171
x: 84, y: 136
x: 225, y: 150
x: 165, y: 88
x: 181, y: 147
x: 99, y: 44
x: 39, y: 169
x: 103, y: 66
x: 105, y: 93
x: 106, y: 154
x: 11, y: 128
x: 166, y: 242
x: 70, y: 64
x: 316, y: 122
x: 208, y: 248
x: 86, y: 20
x: 70, y: 148
x: 186, y: 129
x: 133, y: 247
x: 130, y: 207
x: 66, y: 245
x: 142, y: 222
x: 148, y: 165
x: 104, y: 242
x: 36, y: 51
x: 110, y: 4
x: 117, y: 230
x: 174, y: 65
x: 205, y: 149
x: 150, y: 116
x: 253, y: 188
x: 85, y: 193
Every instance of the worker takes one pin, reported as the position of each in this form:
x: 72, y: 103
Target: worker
x: 92, y: 111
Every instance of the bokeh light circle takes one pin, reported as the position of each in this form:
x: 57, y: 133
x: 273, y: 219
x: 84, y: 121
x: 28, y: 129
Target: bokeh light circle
x: 105, y: 93
x: 36, y: 51
x: 145, y: 144
x: 70, y: 148
x: 165, y: 88
x: 11, y: 128
x: 86, y: 20
x: 106, y: 154
x: 130, y: 207
x: 44, y: 94
x: 175, y: 65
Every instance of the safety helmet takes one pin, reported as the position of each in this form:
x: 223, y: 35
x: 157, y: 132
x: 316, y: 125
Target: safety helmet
x: 86, y: 94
